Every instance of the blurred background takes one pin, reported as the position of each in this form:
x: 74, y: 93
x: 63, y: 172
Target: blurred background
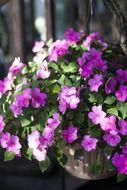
x: 22, y: 22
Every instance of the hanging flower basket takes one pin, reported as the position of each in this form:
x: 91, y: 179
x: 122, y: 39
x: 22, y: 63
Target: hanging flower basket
x: 80, y: 167
x: 74, y: 91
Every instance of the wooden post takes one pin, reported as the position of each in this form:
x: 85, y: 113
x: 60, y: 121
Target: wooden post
x: 16, y: 28
x: 49, y: 20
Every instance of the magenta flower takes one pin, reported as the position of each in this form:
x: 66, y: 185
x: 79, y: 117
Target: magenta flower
x: 108, y: 123
x: 38, y: 98
x: 2, y: 124
x: 120, y: 161
x: 89, y: 61
x: 68, y: 98
x: 72, y: 36
x: 124, y: 149
x: 39, y: 153
x: 69, y: 134
x: 123, y: 127
x: 94, y: 37
x: 121, y: 93
x: 2, y: 88
x: 121, y: 76
x: 54, y: 122
x: 58, y: 49
x: 43, y: 71
x: 113, y: 139
x: 110, y: 85
x: 38, y: 46
x: 16, y: 68
x: 89, y: 143
x: 47, y: 137
x: 11, y: 143
x: 97, y: 115
x: 4, y: 139
x: 95, y: 82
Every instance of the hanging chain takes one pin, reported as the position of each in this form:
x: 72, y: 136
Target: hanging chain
x: 91, y: 16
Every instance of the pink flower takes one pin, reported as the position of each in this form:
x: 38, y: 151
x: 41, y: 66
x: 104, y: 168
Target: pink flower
x: 38, y: 46
x: 70, y: 134
x: 58, y: 49
x: 47, y: 137
x: 89, y: 143
x: 43, y: 71
x: 96, y: 82
x: 97, y: 115
x: 68, y: 98
x: 2, y: 124
x: 34, y: 142
x: 113, y: 139
x: 39, y: 153
x: 123, y: 127
x: 16, y: 109
x: 11, y: 143
x: 54, y: 122
x: 33, y: 139
x: 108, y: 123
x: 16, y: 68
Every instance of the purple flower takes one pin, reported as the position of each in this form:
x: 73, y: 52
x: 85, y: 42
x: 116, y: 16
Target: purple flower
x: 68, y: 98
x: 89, y: 143
x: 70, y: 134
x: 110, y: 85
x: 72, y: 36
x: 108, y: 123
x: 97, y: 115
x: 121, y: 76
x: 121, y: 93
x: 47, y: 137
x: 38, y: 98
x: 38, y: 46
x: 123, y: 127
x: 113, y: 139
x: 16, y: 68
x: 2, y: 124
x: 95, y: 82
x: 54, y: 122
x: 2, y: 88
x: 94, y: 37
x: 120, y: 161
x: 11, y: 143
x: 124, y: 149
x: 16, y: 109
x: 43, y: 71
x: 89, y: 61
x: 58, y: 49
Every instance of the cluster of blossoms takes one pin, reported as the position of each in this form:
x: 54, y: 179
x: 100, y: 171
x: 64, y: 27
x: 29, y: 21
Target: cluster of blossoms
x: 73, y: 91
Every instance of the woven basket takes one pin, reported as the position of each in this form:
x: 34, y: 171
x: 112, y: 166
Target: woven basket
x: 81, y: 168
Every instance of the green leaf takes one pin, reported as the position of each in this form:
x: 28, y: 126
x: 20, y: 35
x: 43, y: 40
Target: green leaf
x: 121, y: 177
x: 54, y: 66
x: 62, y: 160
x: 95, y: 131
x: 92, y: 98
x: 25, y: 122
x: 113, y: 111
x: 8, y: 156
x: 110, y: 100
x: 29, y: 154
x: 43, y: 165
x: 79, y: 117
x: 79, y: 154
x: 122, y: 108
x: 63, y: 80
x: 56, y: 89
x: 70, y: 68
